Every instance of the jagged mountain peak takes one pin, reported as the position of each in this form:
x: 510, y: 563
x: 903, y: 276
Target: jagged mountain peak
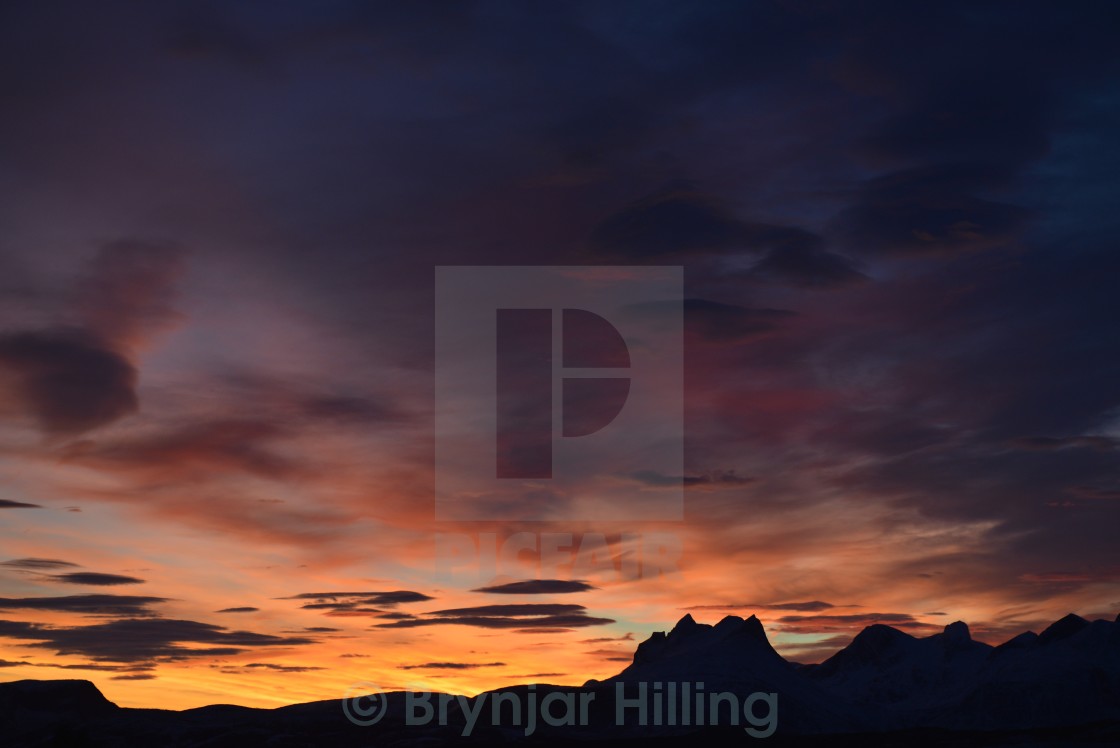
x: 957, y: 631
x: 690, y: 638
x: 1022, y: 641
x: 1062, y: 629
x: 687, y: 627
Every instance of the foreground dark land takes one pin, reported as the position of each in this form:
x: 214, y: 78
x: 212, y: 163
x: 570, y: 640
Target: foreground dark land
x: 886, y: 688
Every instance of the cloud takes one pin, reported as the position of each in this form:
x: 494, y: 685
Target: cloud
x: 197, y: 449
x: 77, y: 378
x: 127, y: 293
x: 144, y: 640
x: 281, y: 668
x: 515, y: 609
x: 526, y: 616
x: 814, y: 651
x: 725, y: 478
x: 94, y: 579
x: 860, y: 620
x: 1102, y: 443
x: 1094, y: 493
x: 396, y: 616
x: 358, y: 604
x: 101, y: 605
x: 69, y: 380
x: 37, y: 564
x: 390, y: 598
x: 629, y: 637
x: 298, y: 402
x: 684, y: 222
x: 245, y: 609
x: 8, y: 504
x: 537, y: 587
x: 810, y: 606
x: 667, y: 223
x: 394, y: 597
x: 808, y: 266
x: 729, y: 324
x: 94, y: 667
x: 452, y: 665
x: 928, y: 211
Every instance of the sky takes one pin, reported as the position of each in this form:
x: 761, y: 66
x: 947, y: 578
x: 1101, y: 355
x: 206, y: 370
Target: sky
x: 219, y: 229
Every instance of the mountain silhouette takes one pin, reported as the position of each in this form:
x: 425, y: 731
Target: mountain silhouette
x: 735, y: 655
x: 886, y: 687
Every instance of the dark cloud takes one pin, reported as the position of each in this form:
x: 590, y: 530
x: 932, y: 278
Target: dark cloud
x: 37, y: 564
x: 716, y: 322
x: 101, y: 605
x: 300, y: 402
x: 814, y: 651
x: 544, y: 630
x: 538, y: 587
x: 393, y: 597
x: 670, y: 223
x: 808, y: 267
x: 245, y: 609
x: 1103, y: 443
x: 1095, y: 492
x: 516, y: 609
x: 8, y: 504
x: 901, y: 620
x: 537, y: 617
x: 452, y: 665
x: 87, y: 666
x: 928, y: 211
x: 94, y: 579
x: 127, y: 293
x: 143, y: 640
x: 811, y: 606
x: 281, y: 668
x: 71, y: 381
x: 196, y: 450
x: 538, y: 625
x: 358, y: 604
x: 603, y: 639
x: 725, y: 478
x: 76, y: 379
x: 995, y: 115
x: 678, y: 223
x: 350, y: 409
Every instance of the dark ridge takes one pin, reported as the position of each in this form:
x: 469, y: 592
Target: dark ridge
x: 1062, y: 629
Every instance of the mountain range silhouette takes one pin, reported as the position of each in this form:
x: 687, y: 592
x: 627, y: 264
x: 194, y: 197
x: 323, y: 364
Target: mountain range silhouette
x: 887, y: 687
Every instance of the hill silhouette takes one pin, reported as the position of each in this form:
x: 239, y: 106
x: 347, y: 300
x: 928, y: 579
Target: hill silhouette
x: 887, y: 687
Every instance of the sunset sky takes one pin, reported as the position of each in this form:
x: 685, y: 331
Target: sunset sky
x: 219, y: 229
